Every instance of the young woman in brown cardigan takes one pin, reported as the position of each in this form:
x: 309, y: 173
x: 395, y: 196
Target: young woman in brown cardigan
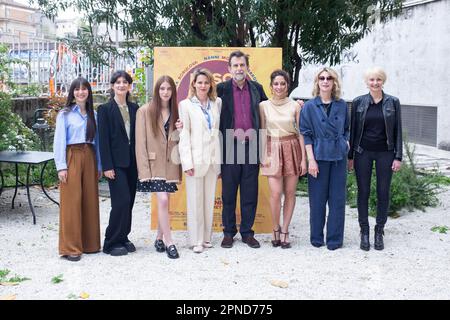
x: 157, y: 155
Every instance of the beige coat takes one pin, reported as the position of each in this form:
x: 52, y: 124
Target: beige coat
x: 157, y: 157
x: 199, y: 146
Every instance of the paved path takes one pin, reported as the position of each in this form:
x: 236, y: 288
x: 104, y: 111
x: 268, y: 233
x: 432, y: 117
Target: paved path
x: 414, y: 264
x: 430, y: 158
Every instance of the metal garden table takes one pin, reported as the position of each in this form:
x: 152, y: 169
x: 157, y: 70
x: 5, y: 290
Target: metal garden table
x: 29, y: 158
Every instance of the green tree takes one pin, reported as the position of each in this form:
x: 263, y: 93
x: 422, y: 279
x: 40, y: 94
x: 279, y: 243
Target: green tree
x: 308, y: 30
x: 14, y: 135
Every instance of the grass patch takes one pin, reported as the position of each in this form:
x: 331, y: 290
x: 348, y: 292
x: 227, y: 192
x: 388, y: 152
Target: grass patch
x: 440, y: 229
x: 3, y: 274
x: 57, y: 279
x: 16, y: 279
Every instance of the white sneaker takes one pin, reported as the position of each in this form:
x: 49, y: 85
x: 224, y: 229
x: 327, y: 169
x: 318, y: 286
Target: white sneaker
x: 198, y: 249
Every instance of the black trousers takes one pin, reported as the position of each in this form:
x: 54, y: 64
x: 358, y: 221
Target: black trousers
x: 245, y: 177
x: 123, y: 191
x: 363, y: 163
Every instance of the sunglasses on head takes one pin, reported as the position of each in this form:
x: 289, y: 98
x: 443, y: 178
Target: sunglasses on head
x: 322, y: 78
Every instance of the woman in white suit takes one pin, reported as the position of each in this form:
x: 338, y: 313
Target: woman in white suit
x: 200, y: 155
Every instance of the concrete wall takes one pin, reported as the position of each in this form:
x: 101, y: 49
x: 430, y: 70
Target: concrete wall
x: 414, y: 50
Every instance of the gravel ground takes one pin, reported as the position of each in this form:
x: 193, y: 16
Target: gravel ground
x: 414, y: 264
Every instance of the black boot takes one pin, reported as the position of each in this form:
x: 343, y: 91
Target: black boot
x: 365, y: 243
x: 379, y: 244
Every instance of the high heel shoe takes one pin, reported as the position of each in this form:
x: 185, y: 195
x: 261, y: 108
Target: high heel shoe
x: 277, y: 241
x: 284, y: 244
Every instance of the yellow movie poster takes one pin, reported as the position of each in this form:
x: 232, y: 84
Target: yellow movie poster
x: 179, y: 63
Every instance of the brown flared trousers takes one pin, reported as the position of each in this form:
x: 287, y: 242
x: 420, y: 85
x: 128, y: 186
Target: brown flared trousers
x: 79, y: 222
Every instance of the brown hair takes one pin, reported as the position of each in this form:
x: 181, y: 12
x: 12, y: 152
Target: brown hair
x: 212, y: 93
x: 156, y: 104
x: 238, y: 54
x: 281, y: 73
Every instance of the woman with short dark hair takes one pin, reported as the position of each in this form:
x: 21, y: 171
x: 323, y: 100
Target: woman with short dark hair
x: 116, y: 123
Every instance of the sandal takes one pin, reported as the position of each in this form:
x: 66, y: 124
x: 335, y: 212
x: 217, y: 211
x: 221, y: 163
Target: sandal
x: 277, y: 241
x: 284, y: 244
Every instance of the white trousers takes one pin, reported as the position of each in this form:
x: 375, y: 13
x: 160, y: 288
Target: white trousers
x: 200, y: 193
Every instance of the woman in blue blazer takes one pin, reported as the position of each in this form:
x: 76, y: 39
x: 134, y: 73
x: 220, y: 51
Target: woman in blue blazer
x: 324, y: 125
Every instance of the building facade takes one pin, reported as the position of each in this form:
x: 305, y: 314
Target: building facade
x: 17, y: 20
x: 414, y: 50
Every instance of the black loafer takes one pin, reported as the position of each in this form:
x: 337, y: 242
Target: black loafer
x: 159, y: 245
x: 72, y: 257
x: 172, y: 252
x: 129, y: 246
x: 118, y: 251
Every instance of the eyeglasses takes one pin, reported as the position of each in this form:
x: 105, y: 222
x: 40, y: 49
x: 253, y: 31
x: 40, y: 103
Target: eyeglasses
x: 322, y: 78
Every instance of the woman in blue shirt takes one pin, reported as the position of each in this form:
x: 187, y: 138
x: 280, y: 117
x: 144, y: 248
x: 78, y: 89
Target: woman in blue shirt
x: 324, y: 125
x: 78, y: 163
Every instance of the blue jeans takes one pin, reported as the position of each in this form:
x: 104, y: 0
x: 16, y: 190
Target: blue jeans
x: 329, y: 187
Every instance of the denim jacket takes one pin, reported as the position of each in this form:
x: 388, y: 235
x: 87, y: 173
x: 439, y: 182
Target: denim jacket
x: 327, y: 134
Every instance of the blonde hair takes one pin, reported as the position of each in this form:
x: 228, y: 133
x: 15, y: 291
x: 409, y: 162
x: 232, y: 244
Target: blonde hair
x: 375, y: 71
x: 336, y: 91
x: 212, y: 93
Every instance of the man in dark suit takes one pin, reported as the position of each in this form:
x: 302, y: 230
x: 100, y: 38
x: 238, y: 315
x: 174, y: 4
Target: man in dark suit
x: 116, y: 125
x: 239, y: 125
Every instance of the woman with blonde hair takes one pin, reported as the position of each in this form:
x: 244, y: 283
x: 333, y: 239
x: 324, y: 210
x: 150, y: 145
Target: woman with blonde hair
x: 157, y: 155
x: 200, y: 155
x: 375, y: 136
x: 325, y: 127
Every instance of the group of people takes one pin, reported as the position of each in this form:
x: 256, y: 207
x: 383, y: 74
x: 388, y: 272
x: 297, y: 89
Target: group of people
x: 230, y: 131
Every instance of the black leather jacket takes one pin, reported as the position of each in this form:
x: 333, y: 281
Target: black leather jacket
x: 392, y: 121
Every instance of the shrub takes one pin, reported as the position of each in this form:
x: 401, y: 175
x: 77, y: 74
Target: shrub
x: 14, y: 135
x: 410, y: 188
x: 55, y: 104
x: 26, y: 90
x: 302, y: 186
